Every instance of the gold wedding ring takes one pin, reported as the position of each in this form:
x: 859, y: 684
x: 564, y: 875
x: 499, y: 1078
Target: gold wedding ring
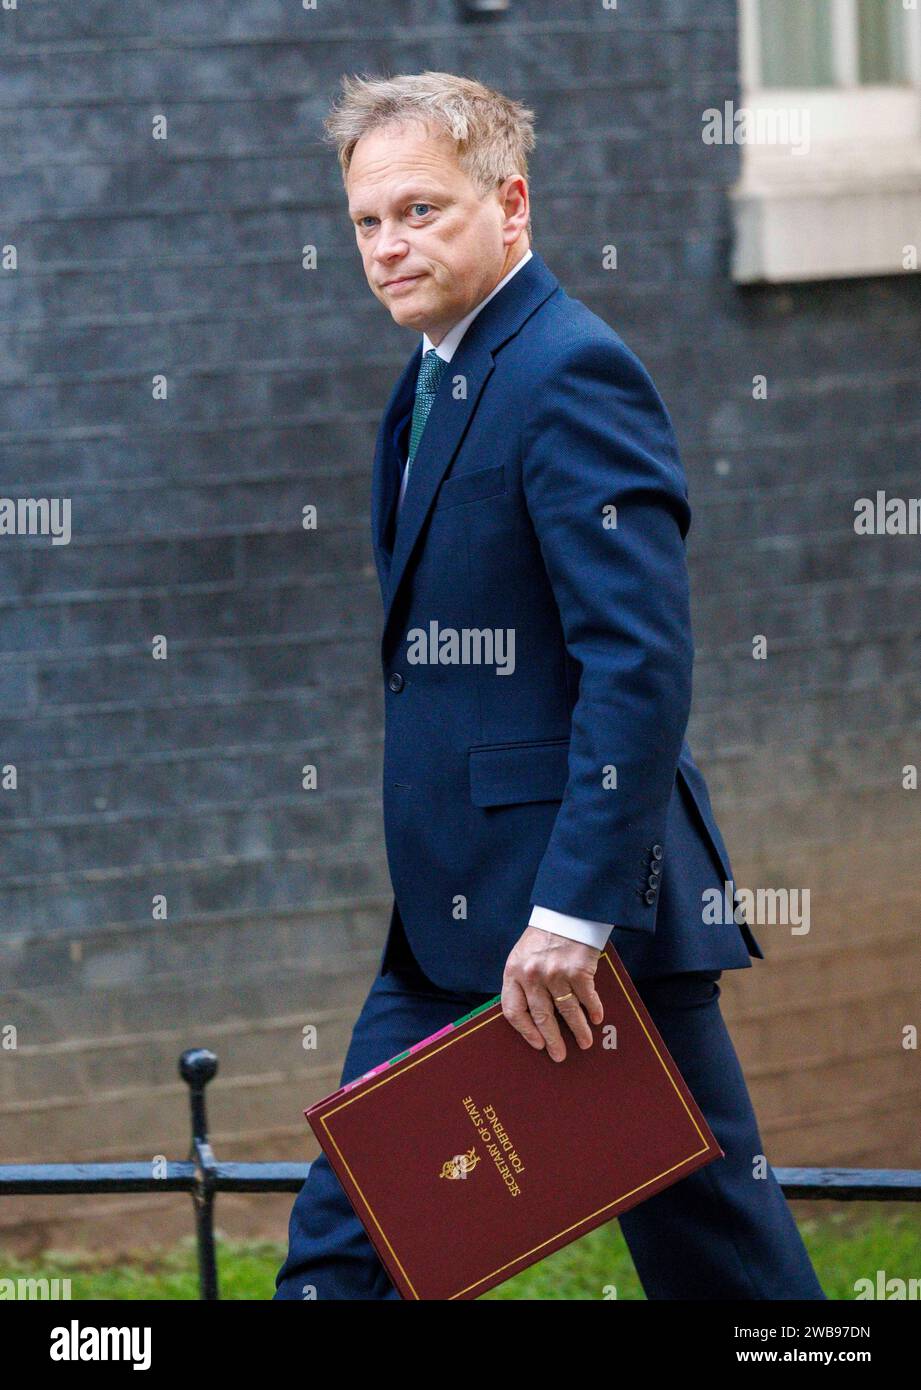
x: 558, y: 998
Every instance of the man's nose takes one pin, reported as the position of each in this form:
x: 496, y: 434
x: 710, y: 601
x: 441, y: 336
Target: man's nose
x: 389, y: 243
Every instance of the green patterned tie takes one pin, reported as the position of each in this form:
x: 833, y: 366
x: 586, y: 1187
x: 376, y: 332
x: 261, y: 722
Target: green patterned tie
x: 431, y: 370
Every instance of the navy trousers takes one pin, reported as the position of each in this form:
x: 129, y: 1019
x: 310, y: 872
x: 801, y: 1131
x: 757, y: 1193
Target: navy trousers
x: 721, y: 1233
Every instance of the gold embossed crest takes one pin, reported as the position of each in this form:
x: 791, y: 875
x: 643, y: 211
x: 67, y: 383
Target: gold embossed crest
x: 460, y: 1165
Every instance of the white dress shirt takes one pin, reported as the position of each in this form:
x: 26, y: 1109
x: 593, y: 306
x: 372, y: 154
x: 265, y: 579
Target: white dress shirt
x: 576, y: 928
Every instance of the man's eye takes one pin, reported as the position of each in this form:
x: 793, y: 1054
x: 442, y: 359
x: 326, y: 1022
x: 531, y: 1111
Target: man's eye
x: 426, y: 207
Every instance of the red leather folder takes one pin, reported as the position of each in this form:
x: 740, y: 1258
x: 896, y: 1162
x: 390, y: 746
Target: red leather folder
x: 472, y: 1155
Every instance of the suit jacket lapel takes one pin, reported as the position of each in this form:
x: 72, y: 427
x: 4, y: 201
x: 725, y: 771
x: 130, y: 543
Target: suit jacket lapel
x: 439, y: 443
x: 387, y: 466
x: 392, y: 480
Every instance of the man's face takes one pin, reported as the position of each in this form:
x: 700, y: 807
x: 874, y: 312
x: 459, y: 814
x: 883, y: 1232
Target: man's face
x: 432, y: 248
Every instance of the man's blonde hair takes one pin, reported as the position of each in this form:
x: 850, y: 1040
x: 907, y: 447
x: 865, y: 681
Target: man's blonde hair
x: 492, y: 134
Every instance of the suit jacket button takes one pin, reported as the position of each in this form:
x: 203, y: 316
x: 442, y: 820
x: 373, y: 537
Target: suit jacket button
x: 657, y: 851
x: 653, y: 881
x: 655, y: 869
x: 650, y: 895
x: 396, y: 681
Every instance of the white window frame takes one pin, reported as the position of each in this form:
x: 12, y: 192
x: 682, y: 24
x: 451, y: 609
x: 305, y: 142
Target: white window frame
x: 850, y: 202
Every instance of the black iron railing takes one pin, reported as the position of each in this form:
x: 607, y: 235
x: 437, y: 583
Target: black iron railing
x: 204, y: 1177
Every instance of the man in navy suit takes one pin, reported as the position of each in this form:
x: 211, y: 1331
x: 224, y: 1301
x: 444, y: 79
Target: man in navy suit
x: 529, y: 515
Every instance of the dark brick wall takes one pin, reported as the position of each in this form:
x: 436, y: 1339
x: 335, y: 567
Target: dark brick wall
x: 181, y: 777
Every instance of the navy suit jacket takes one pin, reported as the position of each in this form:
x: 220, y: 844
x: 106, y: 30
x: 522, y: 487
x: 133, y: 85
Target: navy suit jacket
x: 499, y: 789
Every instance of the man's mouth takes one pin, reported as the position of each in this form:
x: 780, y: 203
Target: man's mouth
x: 401, y: 283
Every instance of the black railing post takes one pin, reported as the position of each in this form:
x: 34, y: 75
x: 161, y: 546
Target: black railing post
x: 196, y: 1067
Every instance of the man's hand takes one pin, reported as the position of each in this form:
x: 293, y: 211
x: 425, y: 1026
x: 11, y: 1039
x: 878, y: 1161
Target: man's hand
x: 545, y: 976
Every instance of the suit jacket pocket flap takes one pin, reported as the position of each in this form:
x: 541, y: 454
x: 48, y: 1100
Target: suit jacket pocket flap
x: 502, y: 774
x: 472, y: 486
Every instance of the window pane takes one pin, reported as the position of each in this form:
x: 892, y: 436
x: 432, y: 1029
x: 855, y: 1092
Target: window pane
x: 796, y: 46
x: 882, y: 41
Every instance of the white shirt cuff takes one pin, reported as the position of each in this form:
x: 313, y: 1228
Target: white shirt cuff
x: 576, y: 928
